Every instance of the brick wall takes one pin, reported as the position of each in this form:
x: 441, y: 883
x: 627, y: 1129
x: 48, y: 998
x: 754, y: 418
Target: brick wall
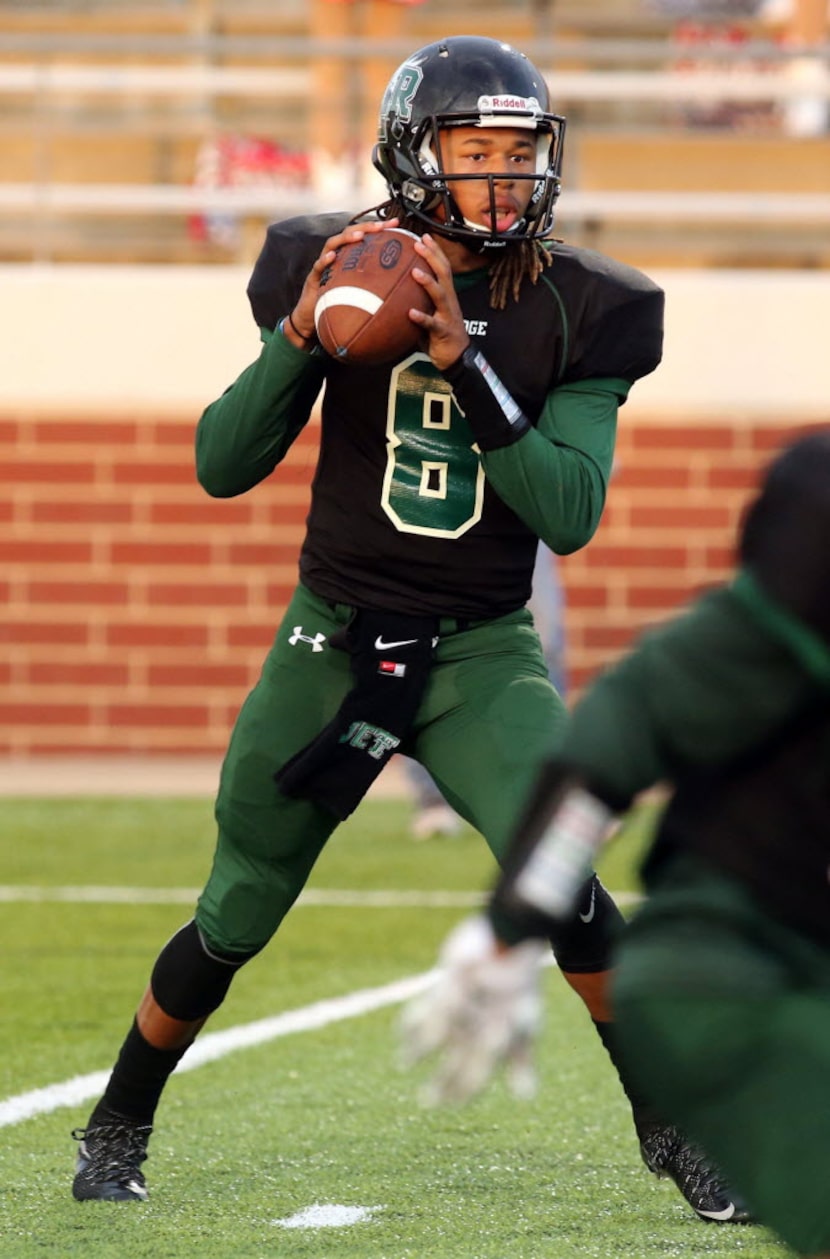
x: 668, y: 531
x: 137, y: 610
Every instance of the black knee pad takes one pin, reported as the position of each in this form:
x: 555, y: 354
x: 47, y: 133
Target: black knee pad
x: 585, y: 941
x: 188, y: 981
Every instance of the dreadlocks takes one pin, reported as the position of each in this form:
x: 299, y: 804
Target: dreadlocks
x: 524, y: 258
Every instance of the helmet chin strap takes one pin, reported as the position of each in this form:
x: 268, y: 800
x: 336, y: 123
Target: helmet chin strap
x: 475, y: 245
x: 483, y: 232
x: 482, y: 227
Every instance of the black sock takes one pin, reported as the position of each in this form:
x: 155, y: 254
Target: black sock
x: 644, y: 1115
x: 137, y: 1081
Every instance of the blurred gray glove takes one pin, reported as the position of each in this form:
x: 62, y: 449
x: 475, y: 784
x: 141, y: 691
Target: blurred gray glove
x: 482, y: 1011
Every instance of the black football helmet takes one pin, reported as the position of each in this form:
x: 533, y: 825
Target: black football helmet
x: 466, y: 80
x: 784, y: 533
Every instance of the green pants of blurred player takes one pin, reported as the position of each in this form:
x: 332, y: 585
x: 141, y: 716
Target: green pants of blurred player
x: 488, y: 718
x: 723, y: 1015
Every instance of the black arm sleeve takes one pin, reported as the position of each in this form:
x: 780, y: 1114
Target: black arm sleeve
x: 494, y: 416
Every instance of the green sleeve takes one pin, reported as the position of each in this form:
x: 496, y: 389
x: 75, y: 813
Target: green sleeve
x: 556, y: 476
x: 243, y: 435
x: 804, y: 642
x: 702, y: 689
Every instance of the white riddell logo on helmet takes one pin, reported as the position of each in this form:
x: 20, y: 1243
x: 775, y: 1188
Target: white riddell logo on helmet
x: 523, y: 104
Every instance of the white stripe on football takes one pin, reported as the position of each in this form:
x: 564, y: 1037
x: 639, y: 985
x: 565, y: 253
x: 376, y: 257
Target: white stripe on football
x: 347, y: 295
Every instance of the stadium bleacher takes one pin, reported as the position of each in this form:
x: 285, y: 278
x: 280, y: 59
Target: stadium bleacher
x: 171, y: 131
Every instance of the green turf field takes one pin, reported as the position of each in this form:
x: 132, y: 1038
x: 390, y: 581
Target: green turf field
x: 315, y: 1117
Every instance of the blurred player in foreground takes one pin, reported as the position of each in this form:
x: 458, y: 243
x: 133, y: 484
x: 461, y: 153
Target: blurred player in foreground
x: 436, y: 477
x: 722, y: 983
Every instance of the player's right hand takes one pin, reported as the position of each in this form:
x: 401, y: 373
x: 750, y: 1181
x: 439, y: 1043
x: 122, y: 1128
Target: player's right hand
x: 445, y: 335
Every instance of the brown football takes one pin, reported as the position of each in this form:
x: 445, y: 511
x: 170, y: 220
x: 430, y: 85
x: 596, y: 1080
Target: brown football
x: 361, y: 314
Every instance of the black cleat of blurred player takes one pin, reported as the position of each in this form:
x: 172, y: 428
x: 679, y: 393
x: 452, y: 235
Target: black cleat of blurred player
x: 667, y: 1154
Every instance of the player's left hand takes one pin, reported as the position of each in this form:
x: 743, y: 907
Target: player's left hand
x: 482, y: 1011
x: 445, y: 336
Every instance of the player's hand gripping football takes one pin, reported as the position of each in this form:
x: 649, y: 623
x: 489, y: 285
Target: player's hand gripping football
x: 445, y: 336
x: 299, y: 327
x: 482, y: 1013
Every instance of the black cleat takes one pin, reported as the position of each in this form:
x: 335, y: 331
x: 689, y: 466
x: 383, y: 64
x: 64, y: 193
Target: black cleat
x: 666, y: 1153
x: 109, y: 1161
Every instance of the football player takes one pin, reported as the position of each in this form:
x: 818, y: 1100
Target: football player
x: 436, y: 478
x: 722, y: 980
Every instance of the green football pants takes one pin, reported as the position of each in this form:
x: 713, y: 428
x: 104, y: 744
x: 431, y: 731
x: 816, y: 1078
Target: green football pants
x: 488, y: 719
x: 723, y: 1017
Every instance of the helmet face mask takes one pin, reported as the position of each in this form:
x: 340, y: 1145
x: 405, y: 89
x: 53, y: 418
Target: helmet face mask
x: 466, y: 81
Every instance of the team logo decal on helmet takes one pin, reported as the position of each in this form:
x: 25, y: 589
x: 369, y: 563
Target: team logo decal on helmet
x: 399, y: 95
x: 466, y: 81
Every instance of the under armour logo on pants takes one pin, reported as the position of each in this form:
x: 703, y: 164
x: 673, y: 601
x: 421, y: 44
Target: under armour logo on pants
x: 299, y: 637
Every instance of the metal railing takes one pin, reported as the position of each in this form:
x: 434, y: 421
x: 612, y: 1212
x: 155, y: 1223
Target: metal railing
x: 757, y: 71
x: 664, y: 86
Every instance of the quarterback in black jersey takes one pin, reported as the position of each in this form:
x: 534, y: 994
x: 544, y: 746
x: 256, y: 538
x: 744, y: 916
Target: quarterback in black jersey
x: 566, y: 350
x: 436, y: 478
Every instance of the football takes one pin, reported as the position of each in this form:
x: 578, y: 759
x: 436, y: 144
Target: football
x: 361, y: 314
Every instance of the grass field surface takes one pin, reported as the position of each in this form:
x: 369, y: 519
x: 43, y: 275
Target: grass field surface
x: 309, y: 1144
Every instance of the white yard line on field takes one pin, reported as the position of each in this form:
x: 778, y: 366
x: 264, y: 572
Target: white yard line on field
x: 353, y: 899
x: 213, y: 1045
x: 336, y: 897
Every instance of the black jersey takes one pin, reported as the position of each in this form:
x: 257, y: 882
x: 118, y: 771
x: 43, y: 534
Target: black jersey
x: 766, y: 820
x: 403, y: 516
